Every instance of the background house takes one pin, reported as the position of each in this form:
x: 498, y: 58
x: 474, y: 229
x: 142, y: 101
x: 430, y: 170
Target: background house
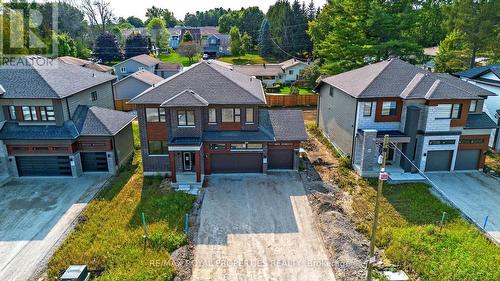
x: 216, y: 45
x: 134, y: 64
x: 131, y: 86
x: 86, y: 64
x: 288, y: 71
x: 59, y: 120
x: 436, y: 120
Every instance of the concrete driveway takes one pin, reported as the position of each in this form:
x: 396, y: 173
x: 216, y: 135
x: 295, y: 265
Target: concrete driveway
x: 476, y: 194
x: 34, y: 215
x: 258, y: 227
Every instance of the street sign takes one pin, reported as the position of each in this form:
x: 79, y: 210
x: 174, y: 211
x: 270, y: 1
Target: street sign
x: 383, y: 176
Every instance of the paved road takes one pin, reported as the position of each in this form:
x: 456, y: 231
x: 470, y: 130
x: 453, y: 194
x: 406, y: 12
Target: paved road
x: 476, y: 194
x: 258, y: 227
x: 34, y: 214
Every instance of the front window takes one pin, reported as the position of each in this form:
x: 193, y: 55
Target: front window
x: 249, y: 115
x: 245, y: 146
x: 389, y: 108
x: 218, y: 146
x: 93, y: 96
x: 441, y: 142
x: 155, y: 114
x: 47, y: 113
x: 124, y: 70
x: 12, y: 112
x: 141, y: 68
x: 29, y: 113
x: 157, y: 147
x: 449, y: 111
x: 290, y: 72
x: 212, y: 115
x: 367, y: 109
x: 231, y: 115
x: 473, y: 106
x: 185, y: 118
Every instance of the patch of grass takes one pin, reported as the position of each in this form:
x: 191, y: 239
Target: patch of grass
x: 493, y: 161
x: 302, y: 90
x: 245, y: 59
x: 410, y: 231
x: 109, y: 237
x: 175, y: 57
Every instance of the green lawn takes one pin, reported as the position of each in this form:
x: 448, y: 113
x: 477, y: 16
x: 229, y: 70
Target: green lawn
x: 245, y: 59
x: 410, y: 231
x: 109, y: 235
x: 177, y: 58
x: 302, y: 90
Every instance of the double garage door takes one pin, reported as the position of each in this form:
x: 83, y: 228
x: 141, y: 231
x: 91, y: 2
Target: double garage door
x: 467, y: 159
x: 251, y: 162
x: 53, y: 166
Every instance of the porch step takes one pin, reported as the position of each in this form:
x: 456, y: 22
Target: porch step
x: 405, y: 177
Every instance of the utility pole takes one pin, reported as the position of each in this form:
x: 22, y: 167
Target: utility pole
x: 382, y: 177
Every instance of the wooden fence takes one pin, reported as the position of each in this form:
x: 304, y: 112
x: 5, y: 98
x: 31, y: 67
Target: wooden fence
x: 291, y: 100
x: 123, y: 105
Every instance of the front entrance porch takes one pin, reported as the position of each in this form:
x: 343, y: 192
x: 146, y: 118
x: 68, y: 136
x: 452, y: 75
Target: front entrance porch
x: 186, y: 167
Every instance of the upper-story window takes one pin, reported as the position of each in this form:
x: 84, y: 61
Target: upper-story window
x: 473, y: 106
x: 231, y: 115
x: 12, y: 112
x: 367, y: 109
x: 185, y: 118
x: 123, y: 69
x: 449, y: 111
x: 141, y: 68
x: 47, y: 113
x: 29, y: 113
x: 212, y: 115
x: 331, y: 91
x: 249, y: 115
x: 290, y: 72
x: 156, y: 114
x: 389, y: 108
x: 93, y: 96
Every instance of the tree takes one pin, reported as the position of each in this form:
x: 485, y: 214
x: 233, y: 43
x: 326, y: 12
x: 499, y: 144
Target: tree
x: 106, y: 47
x: 280, y: 17
x: 82, y: 51
x: 98, y: 12
x: 311, y: 73
x: 189, y: 49
x: 66, y: 46
x: 136, y: 44
x: 453, y: 53
x: 205, y: 18
x: 300, y: 41
x: 159, y: 33
x: 246, y: 43
x: 265, y: 44
x: 251, y: 19
x: 311, y: 11
x: 165, y: 14
x: 477, y: 20
x: 235, y: 43
x: 187, y: 37
x: 135, y: 21
x: 229, y: 20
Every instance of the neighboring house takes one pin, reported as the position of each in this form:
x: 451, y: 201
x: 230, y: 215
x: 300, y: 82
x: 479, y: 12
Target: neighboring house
x: 436, y: 120
x: 86, y: 64
x: 216, y: 45
x: 167, y: 69
x: 134, y: 64
x: 208, y: 119
x: 487, y: 77
x: 59, y: 120
x: 132, y: 85
x: 287, y: 72
x: 198, y: 33
x: 175, y: 37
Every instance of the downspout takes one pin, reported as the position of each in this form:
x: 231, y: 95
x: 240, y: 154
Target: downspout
x: 67, y: 107
x: 354, y: 133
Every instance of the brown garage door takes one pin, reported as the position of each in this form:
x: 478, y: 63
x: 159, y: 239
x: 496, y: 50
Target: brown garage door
x: 280, y: 159
x: 236, y: 162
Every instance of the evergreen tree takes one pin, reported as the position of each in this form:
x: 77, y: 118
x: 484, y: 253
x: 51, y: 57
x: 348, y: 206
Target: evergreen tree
x: 265, y: 44
x: 106, y: 47
x: 187, y: 37
x: 453, y: 53
x: 311, y: 11
x: 251, y: 19
x: 299, y: 39
x: 280, y: 17
x: 136, y: 44
x: 246, y: 43
x: 235, y: 43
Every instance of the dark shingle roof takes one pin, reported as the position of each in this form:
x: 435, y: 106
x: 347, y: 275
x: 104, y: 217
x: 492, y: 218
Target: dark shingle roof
x: 288, y: 124
x: 396, y: 78
x: 143, y: 76
x: 185, y: 98
x: 214, y: 83
x: 146, y: 60
x: 59, y: 80
x: 12, y: 131
x: 98, y: 121
x: 479, y: 71
x: 480, y: 121
x: 259, y: 69
x: 168, y: 66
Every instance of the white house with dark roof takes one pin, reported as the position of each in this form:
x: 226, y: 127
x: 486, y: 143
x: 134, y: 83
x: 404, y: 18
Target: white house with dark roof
x: 59, y: 120
x: 288, y: 71
x: 436, y: 120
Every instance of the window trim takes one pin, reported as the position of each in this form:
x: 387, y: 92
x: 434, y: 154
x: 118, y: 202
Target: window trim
x: 234, y: 114
x: 475, y: 105
x: 245, y: 144
x: 46, y: 114
x: 187, y: 124
x: 123, y: 69
x: 214, y: 110
x: 163, y: 145
x: 450, y: 116
x: 211, y: 146
x: 248, y: 110
x: 364, y: 108
x: 12, y: 112
x: 395, y: 112
x: 93, y: 96
x: 160, y: 112
x: 32, y: 112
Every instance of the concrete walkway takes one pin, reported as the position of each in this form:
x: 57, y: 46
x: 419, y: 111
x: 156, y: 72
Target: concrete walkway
x: 476, y: 194
x: 258, y: 227
x: 34, y: 215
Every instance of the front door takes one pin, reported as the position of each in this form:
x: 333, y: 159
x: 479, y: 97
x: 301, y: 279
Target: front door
x: 188, y: 161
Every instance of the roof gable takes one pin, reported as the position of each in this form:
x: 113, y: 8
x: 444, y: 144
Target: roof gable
x: 185, y: 98
x: 143, y: 76
x: 98, y: 121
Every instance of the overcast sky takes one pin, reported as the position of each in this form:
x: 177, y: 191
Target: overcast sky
x: 126, y: 8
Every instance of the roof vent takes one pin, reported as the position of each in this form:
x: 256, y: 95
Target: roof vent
x: 2, y: 90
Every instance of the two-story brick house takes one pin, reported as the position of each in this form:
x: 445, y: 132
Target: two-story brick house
x: 208, y: 119
x: 436, y: 120
x: 57, y: 119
